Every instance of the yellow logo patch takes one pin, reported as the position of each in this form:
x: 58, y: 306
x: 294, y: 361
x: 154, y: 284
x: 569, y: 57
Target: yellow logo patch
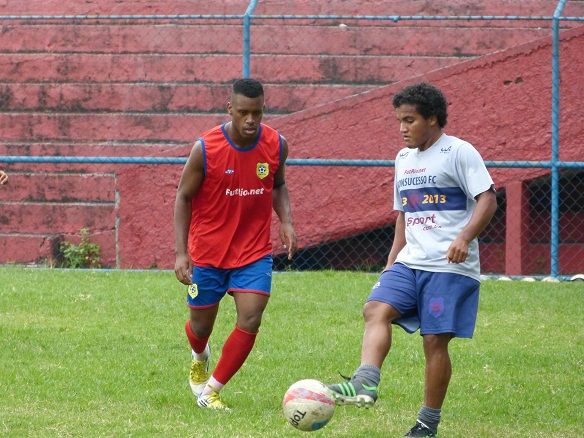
x: 262, y: 170
x: 193, y: 290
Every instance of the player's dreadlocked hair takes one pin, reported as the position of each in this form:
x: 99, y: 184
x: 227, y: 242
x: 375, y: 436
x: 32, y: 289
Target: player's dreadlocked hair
x: 248, y: 88
x: 428, y: 99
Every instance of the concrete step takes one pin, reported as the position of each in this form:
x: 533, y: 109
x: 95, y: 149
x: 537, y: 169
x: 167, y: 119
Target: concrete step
x: 160, y: 98
x: 48, y: 218
x: 446, y: 40
x: 41, y: 248
x: 43, y: 67
x: 105, y: 127
x: 416, y: 7
x: 60, y: 188
x: 113, y: 7
x: 86, y: 149
x: 298, y: 7
x: 89, y: 148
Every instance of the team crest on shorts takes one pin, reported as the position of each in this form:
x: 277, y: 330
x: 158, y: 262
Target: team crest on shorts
x: 262, y: 170
x: 436, y: 306
x: 193, y: 290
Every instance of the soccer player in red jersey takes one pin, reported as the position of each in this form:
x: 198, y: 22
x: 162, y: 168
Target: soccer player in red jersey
x: 234, y: 176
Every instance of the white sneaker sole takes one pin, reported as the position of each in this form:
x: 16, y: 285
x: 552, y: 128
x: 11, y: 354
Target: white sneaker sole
x: 361, y: 400
x: 197, y: 388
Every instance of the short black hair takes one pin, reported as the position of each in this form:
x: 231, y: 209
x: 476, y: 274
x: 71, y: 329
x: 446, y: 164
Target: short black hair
x: 248, y: 87
x: 428, y: 99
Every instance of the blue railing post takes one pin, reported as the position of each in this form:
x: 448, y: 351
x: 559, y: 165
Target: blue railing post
x: 247, y: 38
x: 555, y: 213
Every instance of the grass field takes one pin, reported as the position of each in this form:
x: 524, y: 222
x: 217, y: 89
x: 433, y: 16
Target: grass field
x: 89, y: 353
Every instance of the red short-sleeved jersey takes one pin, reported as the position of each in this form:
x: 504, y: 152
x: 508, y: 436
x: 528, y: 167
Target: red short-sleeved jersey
x: 232, y: 211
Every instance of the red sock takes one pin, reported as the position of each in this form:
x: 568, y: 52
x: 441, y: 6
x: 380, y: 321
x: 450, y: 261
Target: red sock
x: 235, y: 351
x: 197, y: 344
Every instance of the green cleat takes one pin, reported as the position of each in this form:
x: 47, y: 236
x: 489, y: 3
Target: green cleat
x: 354, y: 392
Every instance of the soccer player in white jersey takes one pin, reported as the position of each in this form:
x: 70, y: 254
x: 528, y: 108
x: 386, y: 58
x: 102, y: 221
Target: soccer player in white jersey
x: 444, y: 197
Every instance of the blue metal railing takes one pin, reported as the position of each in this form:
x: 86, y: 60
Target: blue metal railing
x: 247, y: 37
x: 394, y: 18
x: 122, y: 17
x: 289, y: 162
x: 555, y: 213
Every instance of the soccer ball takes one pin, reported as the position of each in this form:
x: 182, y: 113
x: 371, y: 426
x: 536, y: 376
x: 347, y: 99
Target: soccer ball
x: 308, y: 405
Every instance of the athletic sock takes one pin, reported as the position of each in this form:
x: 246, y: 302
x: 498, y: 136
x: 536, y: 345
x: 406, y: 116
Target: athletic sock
x: 430, y: 417
x: 235, y: 350
x: 212, y: 385
x: 198, y: 345
x: 204, y: 355
x: 368, y: 374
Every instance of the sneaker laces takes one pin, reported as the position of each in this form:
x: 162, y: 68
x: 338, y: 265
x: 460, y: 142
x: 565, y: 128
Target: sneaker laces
x: 199, y: 370
x: 214, y: 397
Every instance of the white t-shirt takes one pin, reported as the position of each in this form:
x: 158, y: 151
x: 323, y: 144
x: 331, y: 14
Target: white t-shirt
x: 435, y: 189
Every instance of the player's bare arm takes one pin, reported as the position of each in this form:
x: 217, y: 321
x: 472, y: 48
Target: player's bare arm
x: 190, y: 182
x: 281, y: 203
x: 482, y: 215
x: 399, y: 239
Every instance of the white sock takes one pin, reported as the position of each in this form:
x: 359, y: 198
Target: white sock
x: 204, y: 355
x: 212, y: 385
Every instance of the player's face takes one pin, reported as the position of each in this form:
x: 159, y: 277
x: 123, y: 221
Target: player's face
x: 246, y: 114
x: 417, y: 131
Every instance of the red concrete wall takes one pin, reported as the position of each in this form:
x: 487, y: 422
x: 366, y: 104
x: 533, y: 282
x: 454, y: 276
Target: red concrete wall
x: 394, y: 38
x: 500, y: 103
x: 298, y: 7
x: 67, y: 91
x: 33, y: 206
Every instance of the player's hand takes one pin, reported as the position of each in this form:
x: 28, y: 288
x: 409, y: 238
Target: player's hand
x: 3, y: 177
x: 183, y: 268
x: 458, y: 251
x: 288, y: 238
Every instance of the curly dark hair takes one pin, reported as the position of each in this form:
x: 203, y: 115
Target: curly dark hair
x: 248, y: 87
x: 428, y: 99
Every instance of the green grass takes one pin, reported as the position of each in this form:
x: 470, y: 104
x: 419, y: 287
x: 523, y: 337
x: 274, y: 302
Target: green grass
x: 86, y: 354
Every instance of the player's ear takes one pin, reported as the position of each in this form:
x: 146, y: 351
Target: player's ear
x: 433, y: 120
x: 229, y: 107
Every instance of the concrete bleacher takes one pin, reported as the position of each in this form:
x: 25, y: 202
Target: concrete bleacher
x: 147, y: 87
x: 298, y: 7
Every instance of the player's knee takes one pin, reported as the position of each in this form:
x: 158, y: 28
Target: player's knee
x: 377, y: 312
x: 250, y: 322
x: 201, y: 328
x: 437, y: 343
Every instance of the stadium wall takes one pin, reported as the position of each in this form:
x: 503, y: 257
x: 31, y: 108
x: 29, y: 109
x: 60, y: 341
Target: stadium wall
x: 280, y: 7
x: 500, y: 103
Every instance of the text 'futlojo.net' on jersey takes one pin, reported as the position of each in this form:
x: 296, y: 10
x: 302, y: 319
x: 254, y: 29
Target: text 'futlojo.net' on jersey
x: 232, y: 212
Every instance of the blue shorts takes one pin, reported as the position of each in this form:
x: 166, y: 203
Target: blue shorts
x: 434, y: 302
x: 211, y: 284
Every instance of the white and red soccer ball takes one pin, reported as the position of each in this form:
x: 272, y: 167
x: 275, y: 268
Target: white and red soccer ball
x: 308, y: 405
